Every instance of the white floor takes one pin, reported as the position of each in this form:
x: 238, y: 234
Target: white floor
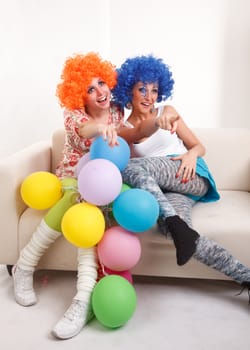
x: 171, y: 314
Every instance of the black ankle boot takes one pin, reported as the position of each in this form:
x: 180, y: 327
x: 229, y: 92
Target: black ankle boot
x: 184, y: 238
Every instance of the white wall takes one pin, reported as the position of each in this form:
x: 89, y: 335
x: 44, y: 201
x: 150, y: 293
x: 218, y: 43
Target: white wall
x: 36, y: 36
x: 206, y: 43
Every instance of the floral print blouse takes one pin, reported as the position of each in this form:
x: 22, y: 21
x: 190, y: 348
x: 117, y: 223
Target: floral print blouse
x: 76, y: 146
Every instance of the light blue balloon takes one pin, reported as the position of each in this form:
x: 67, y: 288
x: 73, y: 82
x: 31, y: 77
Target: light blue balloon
x: 136, y: 210
x: 118, y: 154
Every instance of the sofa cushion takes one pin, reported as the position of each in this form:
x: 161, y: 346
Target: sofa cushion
x: 226, y: 221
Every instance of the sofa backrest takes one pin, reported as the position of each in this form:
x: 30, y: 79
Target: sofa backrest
x: 227, y: 155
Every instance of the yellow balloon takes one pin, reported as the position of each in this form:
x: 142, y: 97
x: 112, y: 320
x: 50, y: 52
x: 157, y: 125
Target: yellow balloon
x: 83, y: 225
x: 41, y: 190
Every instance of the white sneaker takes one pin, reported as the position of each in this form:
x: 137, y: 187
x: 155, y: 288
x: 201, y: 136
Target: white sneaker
x: 74, y: 319
x: 23, y: 286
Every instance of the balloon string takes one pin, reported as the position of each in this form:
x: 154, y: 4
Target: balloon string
x: 103, y: 269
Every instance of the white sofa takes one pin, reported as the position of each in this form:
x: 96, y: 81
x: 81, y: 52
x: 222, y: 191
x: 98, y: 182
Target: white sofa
x: 226, y: 221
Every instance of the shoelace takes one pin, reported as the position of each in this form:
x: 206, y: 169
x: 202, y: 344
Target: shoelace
x: 74, y: 311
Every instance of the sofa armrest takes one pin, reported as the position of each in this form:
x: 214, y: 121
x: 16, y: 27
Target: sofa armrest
x: 13, y: 170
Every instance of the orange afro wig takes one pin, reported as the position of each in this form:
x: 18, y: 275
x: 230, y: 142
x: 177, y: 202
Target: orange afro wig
x: 77, y: 75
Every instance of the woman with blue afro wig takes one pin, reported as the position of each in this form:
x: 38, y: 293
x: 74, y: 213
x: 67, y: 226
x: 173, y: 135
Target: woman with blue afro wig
x: 168, y: 163
x: 147, y: 69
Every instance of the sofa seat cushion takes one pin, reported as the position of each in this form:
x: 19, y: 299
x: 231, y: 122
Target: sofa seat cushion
x: 226, y: 221
x: 229, y: 215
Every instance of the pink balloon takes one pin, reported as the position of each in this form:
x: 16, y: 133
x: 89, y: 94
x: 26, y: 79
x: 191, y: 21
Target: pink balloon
x: 99, y: 181
x: 126, y: 274
x: 119, y: 249
x: 82, y: 161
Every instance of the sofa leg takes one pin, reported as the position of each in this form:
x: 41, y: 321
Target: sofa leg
x: 9, y: 269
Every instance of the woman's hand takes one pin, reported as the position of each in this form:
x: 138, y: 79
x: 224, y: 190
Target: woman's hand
x: 109, y: 133
x: 168, y: 120
x: 188, y: 166
x: 188, y: 160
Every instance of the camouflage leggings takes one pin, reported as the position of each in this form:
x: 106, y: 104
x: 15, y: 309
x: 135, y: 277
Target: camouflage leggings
x: 157, y: 175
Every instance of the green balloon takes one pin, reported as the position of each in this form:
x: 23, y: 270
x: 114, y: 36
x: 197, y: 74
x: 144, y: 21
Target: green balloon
x: 125, y: 187
x: 54, y: 216
x: 113, y: 301
x: 109, y: 207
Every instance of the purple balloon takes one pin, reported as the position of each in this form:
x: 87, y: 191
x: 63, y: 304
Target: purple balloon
x: 99, y: 182
x: 82, y: 161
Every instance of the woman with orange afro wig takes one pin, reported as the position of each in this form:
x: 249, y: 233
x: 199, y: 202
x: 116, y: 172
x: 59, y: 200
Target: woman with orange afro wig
x: 77, y: 75
x: 84, y: 92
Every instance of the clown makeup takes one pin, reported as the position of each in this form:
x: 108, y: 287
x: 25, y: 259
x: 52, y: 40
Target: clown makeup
x: 144, y: 96
x: 146, y: 91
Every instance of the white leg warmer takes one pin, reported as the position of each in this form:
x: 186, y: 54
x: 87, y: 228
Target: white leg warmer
x: 41, y: 239
x: 87, y: 273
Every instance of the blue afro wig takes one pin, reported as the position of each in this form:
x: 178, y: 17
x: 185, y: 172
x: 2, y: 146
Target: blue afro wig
x: 146, y: 69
